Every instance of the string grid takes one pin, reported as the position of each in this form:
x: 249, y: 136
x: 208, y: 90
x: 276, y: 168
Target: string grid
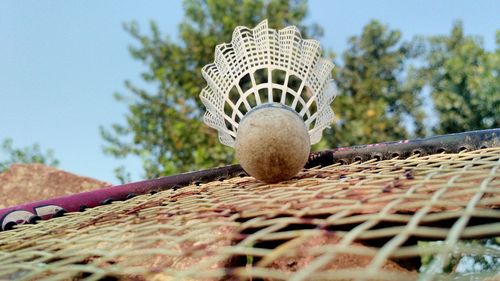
x: 375, y: 220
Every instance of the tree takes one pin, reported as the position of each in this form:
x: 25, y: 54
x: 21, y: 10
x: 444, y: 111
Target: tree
x: 164, y: 126
x: 377, y: 97
x: 464, y: 82
x: 29, y: 154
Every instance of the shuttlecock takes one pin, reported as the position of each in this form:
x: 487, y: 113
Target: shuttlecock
x: 269, y: 94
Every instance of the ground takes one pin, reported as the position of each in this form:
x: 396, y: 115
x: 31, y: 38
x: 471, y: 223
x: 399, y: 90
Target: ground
x: 24, y: 183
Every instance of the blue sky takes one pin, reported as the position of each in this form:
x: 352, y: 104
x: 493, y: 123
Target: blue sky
x: 61, y: 62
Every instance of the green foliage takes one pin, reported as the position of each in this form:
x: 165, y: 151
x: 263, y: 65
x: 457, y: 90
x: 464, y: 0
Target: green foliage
x: 380, y: 81
x: 29, y: 154
x: 164, y: 126
x: 375, y: 98
x: 464, y: 81
x: 479, y: 257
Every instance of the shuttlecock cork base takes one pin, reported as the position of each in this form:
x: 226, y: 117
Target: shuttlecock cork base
x: 272, y: 143
x: 268, y: 95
